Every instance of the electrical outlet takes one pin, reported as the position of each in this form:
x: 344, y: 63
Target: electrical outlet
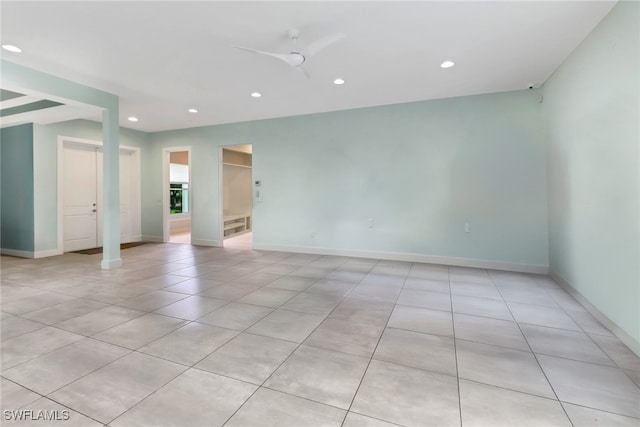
x: 467, y: 227
x: 370, y: 222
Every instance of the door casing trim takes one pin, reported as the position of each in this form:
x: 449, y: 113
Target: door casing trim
x: 136, y: 205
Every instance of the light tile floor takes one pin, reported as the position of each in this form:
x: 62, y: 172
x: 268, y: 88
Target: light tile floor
x: 194, y: 336
x: 180, y: 237
x: 242, y: 241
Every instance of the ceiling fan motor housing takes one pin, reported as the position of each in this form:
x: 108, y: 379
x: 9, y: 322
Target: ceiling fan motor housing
x: 296, y: 59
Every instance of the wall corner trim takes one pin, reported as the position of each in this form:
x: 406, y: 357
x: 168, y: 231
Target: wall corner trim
x: 409, y: 257
x: 626, y: 339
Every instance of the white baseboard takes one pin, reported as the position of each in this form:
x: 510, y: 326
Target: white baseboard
x: 47, y: 253
x: 111, y: 264
x: 627, y: 339
x: 202, y: 242
x: 31, y: 254
x: 400, y: 256
x: 152, y: 239
x: 17, y: 253
x: 136, y: 239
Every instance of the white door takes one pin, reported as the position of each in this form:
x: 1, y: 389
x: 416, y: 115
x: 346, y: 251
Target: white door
x: 82, y: 197
x: 79, y: 198
x: 126, y: 178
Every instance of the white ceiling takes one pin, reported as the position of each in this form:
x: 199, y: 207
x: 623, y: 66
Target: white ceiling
x: 164, y: 57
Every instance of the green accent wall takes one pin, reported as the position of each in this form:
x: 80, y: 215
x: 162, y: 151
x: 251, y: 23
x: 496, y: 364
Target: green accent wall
x: 593, y: 112
x: 45, y: 142
x: 553, y: 183
x: 419, y: 170
x: 16, y: 196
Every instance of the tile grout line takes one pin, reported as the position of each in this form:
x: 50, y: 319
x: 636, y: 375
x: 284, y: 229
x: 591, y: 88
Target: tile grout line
x: 377, y: 344
x: 588, y: 335
x: 130, y: 351
x: 535, y: 357
x: 52, y: 400
x: 455, y: 346
x: 262, y: 286
x: 288, y: 357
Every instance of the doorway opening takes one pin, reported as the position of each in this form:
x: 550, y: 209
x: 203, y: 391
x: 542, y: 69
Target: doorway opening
x: 178, y: 197
x: 237, y: 196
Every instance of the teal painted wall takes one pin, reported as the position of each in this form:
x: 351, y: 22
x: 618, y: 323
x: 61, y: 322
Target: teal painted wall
x: 16, y: 196
x: 26, y: 80
x: 420, y: 170
x: 46, y: 171
x: 593, y: 108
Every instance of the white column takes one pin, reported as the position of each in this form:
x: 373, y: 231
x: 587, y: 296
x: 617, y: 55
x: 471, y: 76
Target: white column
x: 111, y: 189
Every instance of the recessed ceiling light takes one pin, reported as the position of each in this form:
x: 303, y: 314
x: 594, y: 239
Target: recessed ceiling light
x: 338, y: 82
x: 192, y: 110
x: 256, y: 94
x: 447, y: 64
x: 133, y: 119
x: 11, y: 48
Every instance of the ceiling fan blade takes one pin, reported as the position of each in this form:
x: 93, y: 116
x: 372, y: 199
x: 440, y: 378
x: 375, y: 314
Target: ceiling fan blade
x: 303, y: 71
x: 321, y: 43
x: 283, y: 57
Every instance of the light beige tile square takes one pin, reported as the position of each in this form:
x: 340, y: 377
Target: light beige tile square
x: 595, y: 386
x: 359, y: 339
x: 65, y: 365
x: 189, y: 344
x: 251, y: 358
x: 485, y: 330
x: 503, y: 367
x: 407, y: 396
x: 422, y: 320
x: 287, y: 325
x: 140, y: 331
x: 417, y: 350
x: 110, y: 391
x: 587, y: 417
x: 269, y: 408
x: 320, y: 375
x: 236, y: 316
x: 205, y: 399
x: 192, y: 307
x: 485, y: 405
x: 33, y: 344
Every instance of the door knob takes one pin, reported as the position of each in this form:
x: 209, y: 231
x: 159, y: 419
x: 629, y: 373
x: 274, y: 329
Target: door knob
x: 95, y: 210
